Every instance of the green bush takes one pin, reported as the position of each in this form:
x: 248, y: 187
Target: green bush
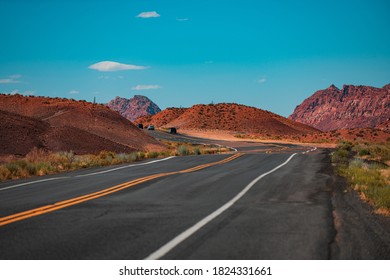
x: 364, y: 152
x: 340, y: 156
x: 365, y: 177
x: 152, y: 154
x: 183, y: 150
x: 197, y: 151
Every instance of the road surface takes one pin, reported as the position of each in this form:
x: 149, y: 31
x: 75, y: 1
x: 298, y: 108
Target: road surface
x: 247, y: 204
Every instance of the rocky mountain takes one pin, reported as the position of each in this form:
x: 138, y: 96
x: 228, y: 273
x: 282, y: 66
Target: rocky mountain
x: 349, y: 107
x: 229, y: 117
x: 59, y: 124
x: 135, y: 107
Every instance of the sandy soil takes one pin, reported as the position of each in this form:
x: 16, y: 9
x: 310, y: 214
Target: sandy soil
x: 229, y: 136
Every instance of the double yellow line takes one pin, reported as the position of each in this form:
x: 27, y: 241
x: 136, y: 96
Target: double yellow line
x: 77, y: 200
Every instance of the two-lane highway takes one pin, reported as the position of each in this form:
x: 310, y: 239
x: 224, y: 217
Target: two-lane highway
x: 273, y: 204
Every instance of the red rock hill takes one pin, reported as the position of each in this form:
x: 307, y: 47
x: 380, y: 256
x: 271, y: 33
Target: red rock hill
x: 162, y: 118
x: 233, y: 117
x: 135, y: 107
x: 60, y: 124
x: 349, y: 107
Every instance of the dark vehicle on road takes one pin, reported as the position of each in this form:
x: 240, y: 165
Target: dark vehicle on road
x: 172, y: 130
x: 151, y: 127
x: 140, y: 126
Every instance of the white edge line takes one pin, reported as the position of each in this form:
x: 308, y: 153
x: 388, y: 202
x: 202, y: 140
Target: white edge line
x: 29, y: 183
x: 308, y: 151
x: 89, y: 174
x: 190, y: 231
x: 122, y: 167
x: 230, y: 148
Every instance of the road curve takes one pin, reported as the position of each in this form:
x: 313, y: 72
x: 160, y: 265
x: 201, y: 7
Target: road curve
x: 286, y: 213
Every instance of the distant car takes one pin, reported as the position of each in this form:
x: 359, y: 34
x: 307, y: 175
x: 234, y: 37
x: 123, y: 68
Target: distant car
x: 151, y: 127
x: 140, y: 126
x: 172, y: 130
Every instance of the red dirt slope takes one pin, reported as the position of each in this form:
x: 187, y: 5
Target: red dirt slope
x: 238, y: 118
x: 162, y: 118
x: 62, y: 124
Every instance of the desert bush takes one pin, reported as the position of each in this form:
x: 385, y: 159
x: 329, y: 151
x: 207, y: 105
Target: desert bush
x: 364, y: 152
x: 183, y: 150
x: 365, y: 177
x: 13, y: 168
x: 36, y: 155
x: 123, y: 158
x: 141, y: 155
x: 152, y: 155
x: 5, y: 174
x: 197, y: 151
x: 379, y: 152
x: 340, y: 156
x: 106, y: 157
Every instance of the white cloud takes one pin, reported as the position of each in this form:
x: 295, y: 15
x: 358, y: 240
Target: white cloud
x: 30, y: 92
x: 13, y: 79
x: 182, y: 19
x: 262, y: 80
x: 73, y: 92
x: 151, y: 14
x: 109, y: 66
x: 16, y: 76
x: 27, y: 92
x: 145, y: 87
x: 8, y: 81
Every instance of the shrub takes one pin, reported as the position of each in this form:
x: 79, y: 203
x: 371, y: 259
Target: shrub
x: 368, y: 178
x: 197, y: 151
x: 152, y: 155
x: 4, y: 173
x: 141, y: 155
x: 183, y: 150
x: 364, y: 152
x: 340, y: 156
x: 36, y: 155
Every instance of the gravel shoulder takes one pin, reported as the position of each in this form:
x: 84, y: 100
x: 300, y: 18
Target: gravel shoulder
x: 360, y: 233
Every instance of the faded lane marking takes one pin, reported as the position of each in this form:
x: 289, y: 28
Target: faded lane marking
x: 77, y: 200
x: 162, y: 251
x: 308, y: 151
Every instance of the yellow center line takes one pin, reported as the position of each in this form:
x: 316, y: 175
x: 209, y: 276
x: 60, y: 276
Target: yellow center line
x: 77, y: 200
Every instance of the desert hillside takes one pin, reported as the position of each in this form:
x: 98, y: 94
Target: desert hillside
x: 63, y: 124
x: 349, y: 107
x: 162, y: 118
x: 230, y: 117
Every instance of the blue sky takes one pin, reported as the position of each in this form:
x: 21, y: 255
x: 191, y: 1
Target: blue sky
x: 267, y: 54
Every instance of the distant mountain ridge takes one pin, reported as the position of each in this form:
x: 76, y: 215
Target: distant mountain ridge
x: 349, y: 107
x: 134, y: 107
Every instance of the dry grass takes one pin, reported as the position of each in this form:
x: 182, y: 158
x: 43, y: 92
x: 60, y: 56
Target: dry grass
x: 364, y: 166
x: 39, y: 162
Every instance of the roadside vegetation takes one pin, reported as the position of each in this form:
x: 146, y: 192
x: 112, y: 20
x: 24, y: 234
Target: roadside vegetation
x: 39, y: 162
x: 366, y: 167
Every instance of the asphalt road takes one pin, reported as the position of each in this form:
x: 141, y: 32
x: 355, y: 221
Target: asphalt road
x: 288, y: 213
